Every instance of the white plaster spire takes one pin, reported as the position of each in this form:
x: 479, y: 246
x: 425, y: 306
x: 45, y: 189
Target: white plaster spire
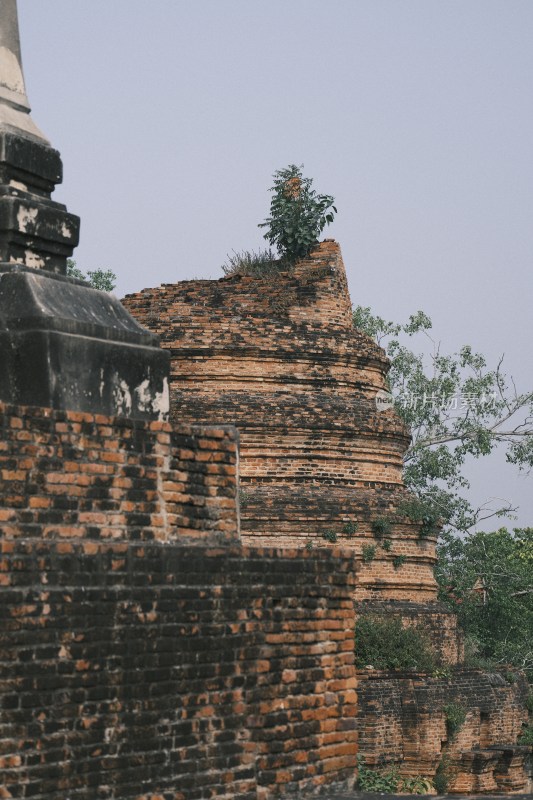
x: 14, y: 106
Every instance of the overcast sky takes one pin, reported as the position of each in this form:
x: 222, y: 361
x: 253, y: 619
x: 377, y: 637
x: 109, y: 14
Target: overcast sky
x: 417, y: 115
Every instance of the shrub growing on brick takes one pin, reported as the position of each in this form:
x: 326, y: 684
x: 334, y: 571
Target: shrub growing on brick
x: 298, y: 215
x: 384, y: 643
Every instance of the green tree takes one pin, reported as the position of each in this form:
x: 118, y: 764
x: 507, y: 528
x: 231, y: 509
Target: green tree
x: 456, y: 407
x: 486, y: 579
x: 298, y: 215
x: 105, y: 280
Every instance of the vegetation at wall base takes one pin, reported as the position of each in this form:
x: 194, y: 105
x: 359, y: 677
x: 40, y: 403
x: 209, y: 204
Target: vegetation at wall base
x: 370, y: 780
x: 444, y: 774
x: 388, y: 781
x: 384, y: 643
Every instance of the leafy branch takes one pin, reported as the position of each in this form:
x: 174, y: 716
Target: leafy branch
x: 455, y: 407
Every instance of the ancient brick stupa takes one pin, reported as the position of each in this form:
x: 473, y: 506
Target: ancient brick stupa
x: 321, y: 463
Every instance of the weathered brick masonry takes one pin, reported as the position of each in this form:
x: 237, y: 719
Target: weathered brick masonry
x: 73, y: 475
x: 280, y: 359
x: 143, y: 652
x: 402, y: 720
x: 164, y: 670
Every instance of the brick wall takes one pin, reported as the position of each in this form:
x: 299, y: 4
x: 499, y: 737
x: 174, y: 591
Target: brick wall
x: 439, y: 626
x: 163, y: 670
x: 402, y: 721
x: 73, y: 475
x: 143, y: 652
x: 280, y: 359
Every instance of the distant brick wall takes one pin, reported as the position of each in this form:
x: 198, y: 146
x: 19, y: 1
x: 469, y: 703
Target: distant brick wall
x: 73, y: 475
x: 157, y: 670
x: 402, y: 721
x: 438, y: 625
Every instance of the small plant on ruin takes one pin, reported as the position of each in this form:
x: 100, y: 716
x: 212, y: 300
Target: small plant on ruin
x: 399, y: 561
x: 103, y: 279
x: 444, y: 775
x: 423, y: 513
x: 381, y: 527
x: 384, y: 643
x: 386, y: 545
x: 443, y: 673
x: 526, y: 737
x: 350, y: 529
x: 454, y: 716
x: 371, y: 780
x: 529, y: 702
x: 262, y: 264
x: 309, y: 545
x: 298, y: 215
x: 330, y: 536
x: 244, y: 498
x: 368, y: 553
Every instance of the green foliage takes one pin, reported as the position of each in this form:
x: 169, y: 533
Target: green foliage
x: 455, y: 716
x: 330, y: 536
x: 298, y: 214
x: 244, y: 498
x: 386, y: 545
x: 73, y: 271
x: 384, y: 643
x: 442, y: 673
x: 381, y: 527
x: 262, y: 264
x: 416, y: 785
x: 444, y: 775
x: 370, y: 780
x: 398, y: 561
x: 388, y: 781
x: 486, y: 579
x: 456, y: 407
x: 309, y: 545
x: 421, y: 511
x: 529, y: 702
x: 350, y: 529
x: 105, y: 280
x: 526, y: 737
x: 368, y: 552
